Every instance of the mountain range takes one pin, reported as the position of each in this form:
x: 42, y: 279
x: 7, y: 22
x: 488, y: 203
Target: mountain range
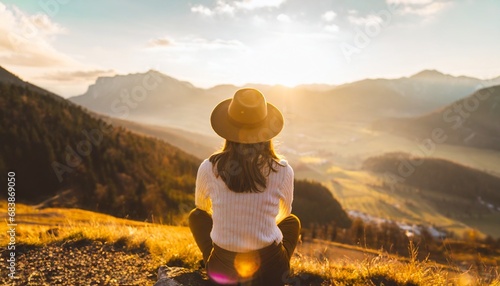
x: 155, y: 98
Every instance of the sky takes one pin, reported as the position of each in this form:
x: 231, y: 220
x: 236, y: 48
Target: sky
x: 64, y: 45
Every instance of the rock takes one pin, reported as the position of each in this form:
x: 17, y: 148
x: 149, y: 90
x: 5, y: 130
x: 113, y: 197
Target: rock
x: 164, y: 278
x: 178, y: 276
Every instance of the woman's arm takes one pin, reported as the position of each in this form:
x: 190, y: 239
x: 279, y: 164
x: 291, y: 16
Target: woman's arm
x: 202, y: 190
x: 286, y: 191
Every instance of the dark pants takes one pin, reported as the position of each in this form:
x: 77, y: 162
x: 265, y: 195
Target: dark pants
x: 267, y: 266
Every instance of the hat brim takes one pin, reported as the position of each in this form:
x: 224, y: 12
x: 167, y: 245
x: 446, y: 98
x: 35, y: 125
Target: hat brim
x: 261, y: 132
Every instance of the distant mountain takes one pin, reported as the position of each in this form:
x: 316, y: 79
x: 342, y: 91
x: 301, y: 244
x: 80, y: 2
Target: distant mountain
x: 149, y: 97
x: 429, y: 75
x: 412, y: 96
x: 315, y: 86
x: 473, y: 121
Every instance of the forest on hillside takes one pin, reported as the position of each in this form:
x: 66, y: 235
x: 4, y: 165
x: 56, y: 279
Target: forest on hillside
x: 55, y: 146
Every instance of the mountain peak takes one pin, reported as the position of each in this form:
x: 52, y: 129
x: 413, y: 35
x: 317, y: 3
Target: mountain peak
x: 429, y: 74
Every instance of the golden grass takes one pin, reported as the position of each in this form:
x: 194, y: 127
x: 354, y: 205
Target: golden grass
x: 386, y: 270
x: 163, y: 242
x: 167, y: 243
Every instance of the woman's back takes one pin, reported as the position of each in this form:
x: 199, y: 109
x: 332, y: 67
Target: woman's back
x: 245, y: 221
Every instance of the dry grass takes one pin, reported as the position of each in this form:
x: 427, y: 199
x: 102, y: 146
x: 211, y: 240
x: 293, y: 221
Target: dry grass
x: 41, y: 227
x: 168, y: 243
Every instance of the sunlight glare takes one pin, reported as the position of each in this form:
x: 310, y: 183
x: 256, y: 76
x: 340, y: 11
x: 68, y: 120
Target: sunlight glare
x: 289, y: 60
x: 246, y: 264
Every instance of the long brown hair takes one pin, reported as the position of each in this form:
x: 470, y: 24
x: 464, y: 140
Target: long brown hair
x: 245, y: 167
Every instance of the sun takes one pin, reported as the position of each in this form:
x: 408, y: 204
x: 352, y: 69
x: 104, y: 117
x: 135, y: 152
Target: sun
x: 289, y: 60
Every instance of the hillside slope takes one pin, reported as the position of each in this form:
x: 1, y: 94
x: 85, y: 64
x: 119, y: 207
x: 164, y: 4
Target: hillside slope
x: 7, y: 77
x: 54, y: 146
x: 473, y: 121
x: 438, y: 175
x: 447, y: 194
x: 197, y: 144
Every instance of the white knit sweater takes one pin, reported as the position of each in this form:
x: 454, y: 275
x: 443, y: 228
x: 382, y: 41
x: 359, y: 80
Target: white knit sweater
x: 245, y: 221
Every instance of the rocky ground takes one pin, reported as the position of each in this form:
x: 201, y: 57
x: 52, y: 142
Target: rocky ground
x: 86, y: 263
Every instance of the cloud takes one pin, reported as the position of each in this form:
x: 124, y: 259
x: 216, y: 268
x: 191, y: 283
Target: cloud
x: 44, y: 25
x: 283, y: 18
x: 426, y: 10
x: 257, y: 4
x: 363, y: 21
x: 332, y: 28
x: 201, y: 43
x: 329, y: 16
x: 159, y: 42
x: 410, y: 2
x: 25, y: 40
x: 200, y: 9
x: 229, y: 8
x: 89, y: 75
x: 419, y: 7
x: 194, y: 43
x: 258, y: 20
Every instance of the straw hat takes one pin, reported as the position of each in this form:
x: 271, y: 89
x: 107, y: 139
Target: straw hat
x: 246, y: 118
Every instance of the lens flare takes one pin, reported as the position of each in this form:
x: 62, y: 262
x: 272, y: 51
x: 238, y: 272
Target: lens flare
x: 222, y: 279
x: 246, y: 264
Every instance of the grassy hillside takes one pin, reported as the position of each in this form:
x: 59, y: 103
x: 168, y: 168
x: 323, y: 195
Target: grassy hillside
x: 71, y: 230
x: 441, y: 191
x: 379, y: 197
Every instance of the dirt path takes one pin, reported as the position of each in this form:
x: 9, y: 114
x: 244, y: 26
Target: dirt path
x: 80, y: 263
